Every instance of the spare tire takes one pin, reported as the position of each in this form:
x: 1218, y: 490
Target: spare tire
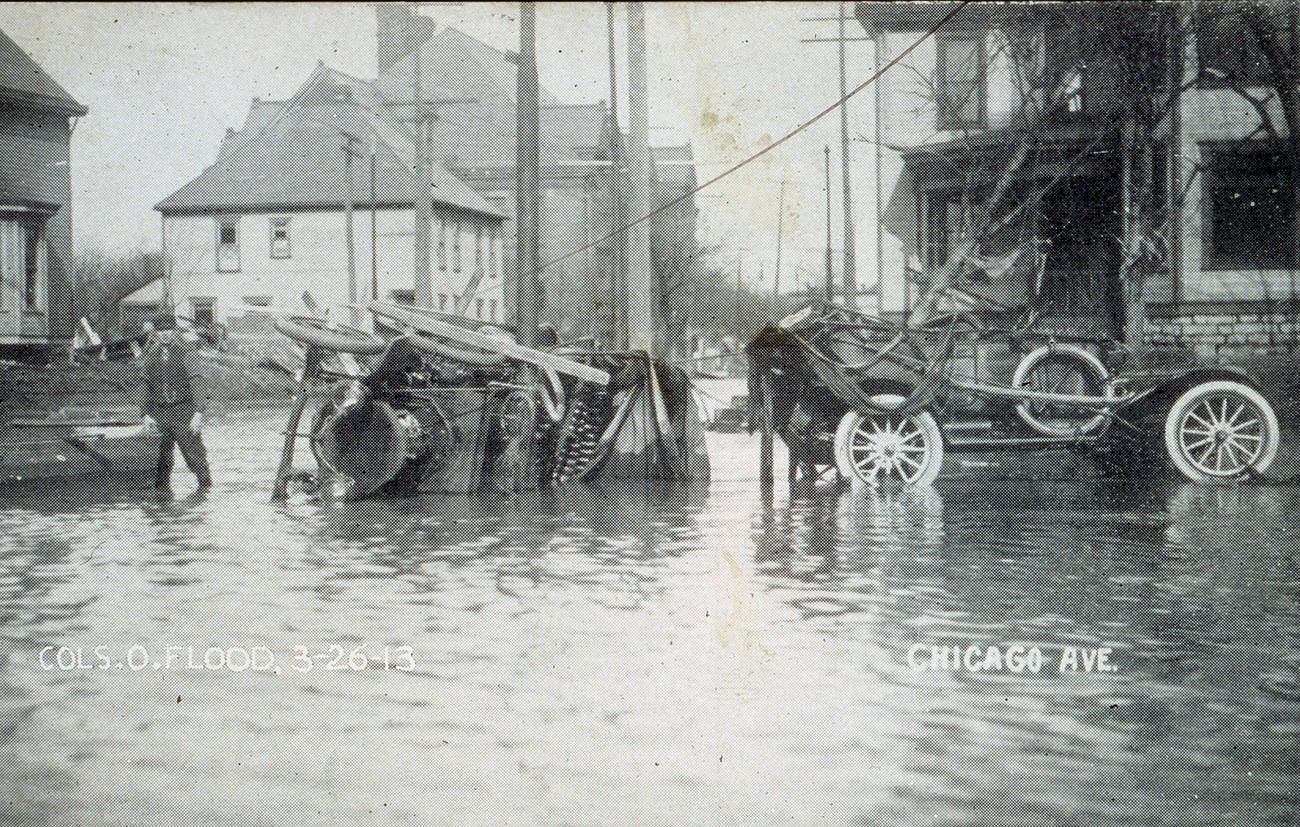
x: 364, y: 442
x: 338, y: 338
x: 455, y: 352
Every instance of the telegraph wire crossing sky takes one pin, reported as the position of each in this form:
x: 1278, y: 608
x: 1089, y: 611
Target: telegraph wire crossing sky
x: 164, y: 81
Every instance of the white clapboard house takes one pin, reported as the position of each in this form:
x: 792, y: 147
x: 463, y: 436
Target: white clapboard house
x: 265, y: 224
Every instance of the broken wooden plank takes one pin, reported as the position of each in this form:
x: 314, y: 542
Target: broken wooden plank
x: 423, y: 323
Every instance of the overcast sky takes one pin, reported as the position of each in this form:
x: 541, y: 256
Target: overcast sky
x: 164, y: 82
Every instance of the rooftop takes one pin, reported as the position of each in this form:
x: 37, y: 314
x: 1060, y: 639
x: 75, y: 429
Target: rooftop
x: 24, y: 82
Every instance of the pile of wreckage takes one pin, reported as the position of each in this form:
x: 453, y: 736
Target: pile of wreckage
x: 432, y: 402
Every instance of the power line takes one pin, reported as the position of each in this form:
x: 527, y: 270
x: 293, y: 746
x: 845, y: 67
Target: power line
x: 800, y: 128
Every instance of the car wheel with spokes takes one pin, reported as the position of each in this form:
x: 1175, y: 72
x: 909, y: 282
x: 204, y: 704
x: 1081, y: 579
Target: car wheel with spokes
x: 882, y: 446
x: 1221, y: 430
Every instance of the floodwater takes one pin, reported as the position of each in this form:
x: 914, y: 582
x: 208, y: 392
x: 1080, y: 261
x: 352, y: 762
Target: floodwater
x: 651, y: 656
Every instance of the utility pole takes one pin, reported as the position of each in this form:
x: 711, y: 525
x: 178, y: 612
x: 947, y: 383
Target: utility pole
x: 527, y: 181
x: 830, y: 268
x: 878, y: 40
x: 617, y: 245
x: 850, y: 244
x: 374, y: 233
x: 422, y: 280
x: 422, y: 113
x: 780, y: 226
x: 850, y: 266
x: 348, y: 149
x: 640, y: 304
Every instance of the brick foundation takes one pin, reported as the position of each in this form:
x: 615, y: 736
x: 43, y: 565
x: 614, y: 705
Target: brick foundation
x: 1226, y: 334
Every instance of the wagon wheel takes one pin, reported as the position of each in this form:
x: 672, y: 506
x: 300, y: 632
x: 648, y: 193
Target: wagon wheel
x: 1060, y: 369
x: 1220, y: 430
x: 889, y: 445
x: 322, y: 334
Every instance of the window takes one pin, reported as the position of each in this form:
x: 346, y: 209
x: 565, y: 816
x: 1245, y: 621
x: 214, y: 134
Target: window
x: 959, y: 81
x: 478, y: 308
x: 257, y: 301
x: 280, y: 237
x: 478, y: 249
x: 455, y: 246
x: 1248, y: 207
x: 943, y: 220
x: 228, y: 244
x: 442, y: 301
x: 33, y: 261
x: 442, y: 244
x: 492, y: 253
x: 492, y: 310
x: 203, y: 309
x: 402, y: 296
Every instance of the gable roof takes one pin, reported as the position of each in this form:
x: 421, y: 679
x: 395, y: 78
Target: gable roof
x: 23, y: 81
x: 294, y: 160
x: 475, y: 137
x: 456, y: 65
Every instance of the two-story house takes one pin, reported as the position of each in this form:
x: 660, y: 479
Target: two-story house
x: 267, y: 221
x: 36, y: 121
x: 965, y: 103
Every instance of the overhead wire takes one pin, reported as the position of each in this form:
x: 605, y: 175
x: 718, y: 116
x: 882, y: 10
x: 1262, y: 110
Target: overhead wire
x: 778, y: 142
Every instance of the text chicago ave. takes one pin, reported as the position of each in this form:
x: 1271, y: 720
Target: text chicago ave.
x: 1015, y: 658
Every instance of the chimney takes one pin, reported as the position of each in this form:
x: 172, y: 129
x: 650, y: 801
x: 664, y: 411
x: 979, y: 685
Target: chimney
x: 398, y: 32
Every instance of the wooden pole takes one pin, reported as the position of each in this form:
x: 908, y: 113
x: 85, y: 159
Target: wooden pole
x: 641, y: 309
x: 311, y: 361
x: 780, y: 227
x: 527, y: 181
x: 830, y: 256
x: 850, y: 264
x: 617, y: 323
x: 880, y: 192
x: 374, y: 233
x: 422, y: 282
x: 351, y: 242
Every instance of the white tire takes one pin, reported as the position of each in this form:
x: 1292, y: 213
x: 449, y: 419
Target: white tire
x: 1220, y: 430
x: 877, y: 447
x: 1060, y: 369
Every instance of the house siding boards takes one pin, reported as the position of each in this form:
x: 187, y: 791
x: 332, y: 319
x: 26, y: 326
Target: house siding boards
x: 264, y: 167
x: 287, y: 164
x: 35, y: 178
x: 1211, y: 119
x: 317, y: 260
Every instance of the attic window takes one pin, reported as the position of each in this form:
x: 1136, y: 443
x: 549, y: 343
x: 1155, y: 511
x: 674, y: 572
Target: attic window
x: 960, y: 81
x: 228, y: 244
x: 280, y: 237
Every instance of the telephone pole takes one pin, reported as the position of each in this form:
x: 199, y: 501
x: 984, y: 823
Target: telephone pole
x: 640, y: 309
x: 528, y: 181
x: 878, y: 40
x: 830, y: 268
x: 617, y: 322
x: 780, y: 225
x: 349, y: 140
x: 850, y: 253
x: 422, y: 278
x: 850, y: 244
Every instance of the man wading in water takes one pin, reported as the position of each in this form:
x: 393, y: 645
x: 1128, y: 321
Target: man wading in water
x: 170, y: 401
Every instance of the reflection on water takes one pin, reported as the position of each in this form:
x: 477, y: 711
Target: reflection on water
x: 643, y: 655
